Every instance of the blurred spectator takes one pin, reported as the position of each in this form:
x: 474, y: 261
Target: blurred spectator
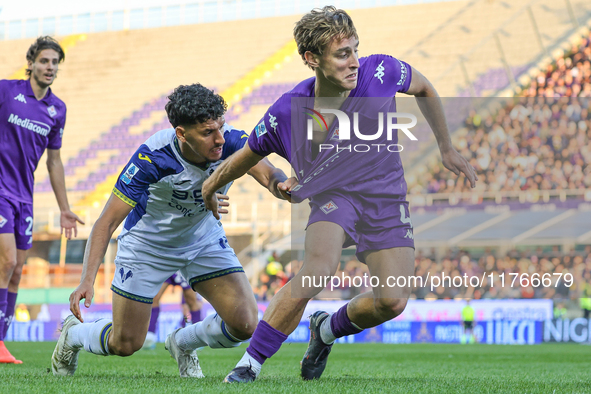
x: 22, y: 313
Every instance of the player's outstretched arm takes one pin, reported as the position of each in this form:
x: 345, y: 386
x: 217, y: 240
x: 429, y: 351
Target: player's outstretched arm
x: 113, y: 214
x: 68, y: 218
x: 432, y: 109
x: 232, y: 168
x: 270, y: 177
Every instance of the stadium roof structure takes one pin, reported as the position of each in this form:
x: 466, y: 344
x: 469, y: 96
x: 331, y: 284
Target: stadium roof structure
x: 541, y: 225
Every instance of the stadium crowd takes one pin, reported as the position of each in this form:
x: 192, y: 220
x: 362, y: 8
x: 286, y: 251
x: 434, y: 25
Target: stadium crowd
x: 532, y: 143
x: 459, y: 264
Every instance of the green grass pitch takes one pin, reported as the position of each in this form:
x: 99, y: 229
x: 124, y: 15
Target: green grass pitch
x: 425, y: 368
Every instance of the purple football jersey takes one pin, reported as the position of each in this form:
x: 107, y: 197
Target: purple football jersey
x: 27, y: 127
x: 283, y: 131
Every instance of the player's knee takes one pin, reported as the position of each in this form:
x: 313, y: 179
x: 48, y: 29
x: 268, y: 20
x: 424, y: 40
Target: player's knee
x: 124, y: 347
x: 245, y: 327
x: 15, y: 279
x: 7, y: 265
x: 389, y: 308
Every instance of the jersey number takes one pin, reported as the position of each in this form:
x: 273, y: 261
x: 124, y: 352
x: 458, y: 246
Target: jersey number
x: 29, y: 230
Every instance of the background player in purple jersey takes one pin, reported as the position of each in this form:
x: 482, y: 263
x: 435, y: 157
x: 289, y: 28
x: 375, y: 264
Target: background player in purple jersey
x: 328, y: 42
x: 32, y: 119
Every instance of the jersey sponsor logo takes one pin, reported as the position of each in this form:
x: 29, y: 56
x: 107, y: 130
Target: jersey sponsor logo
x: 3, y: 221
x: 33, y: 125
x: 144, y: 157
x: 380, y: 72
x: 273, y: 122
x: 128, y: 175
x: 403, y: 74
x: 20, y: 97
x: 51, y: 110
x: 261, y: 129
x: 329, y: 207
x: 125, y: 276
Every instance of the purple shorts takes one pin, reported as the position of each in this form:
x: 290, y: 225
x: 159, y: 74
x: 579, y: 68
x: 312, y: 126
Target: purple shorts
x: 370, y: 222
x: 17, y: 218
x: 177, y: 280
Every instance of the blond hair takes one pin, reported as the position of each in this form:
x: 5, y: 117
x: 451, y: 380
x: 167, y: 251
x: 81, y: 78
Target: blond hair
x: 315, y: 31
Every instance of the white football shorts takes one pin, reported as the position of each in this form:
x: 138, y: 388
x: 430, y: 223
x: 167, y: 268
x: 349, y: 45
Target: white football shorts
x: 142, y: 268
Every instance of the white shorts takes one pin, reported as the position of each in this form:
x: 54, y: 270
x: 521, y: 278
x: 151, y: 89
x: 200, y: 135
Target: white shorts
x: 141, y: 269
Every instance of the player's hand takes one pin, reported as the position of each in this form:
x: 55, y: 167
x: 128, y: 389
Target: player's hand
x: 457, y: 164
x: 68, y: 221
x: 84, y: 291
x: 222, y: 202
x: 210, y: 199
x: 286, y: 187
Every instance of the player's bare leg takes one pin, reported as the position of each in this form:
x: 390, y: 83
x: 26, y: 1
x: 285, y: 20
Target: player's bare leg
x: 235, y: 321
x: 364, y: 311
x: 122, y: 336
x: 10, y: 260
x: 383, y: 303
x: 150, y: 341
x: 130, y: 325
x: 323, y: 246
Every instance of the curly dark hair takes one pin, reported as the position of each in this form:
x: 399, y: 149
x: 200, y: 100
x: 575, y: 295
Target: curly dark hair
x: 41, y: 43
x: 192, y: 104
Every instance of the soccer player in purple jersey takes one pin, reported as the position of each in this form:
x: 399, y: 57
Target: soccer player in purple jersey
x: 32, y: 119
x: 327, y: 41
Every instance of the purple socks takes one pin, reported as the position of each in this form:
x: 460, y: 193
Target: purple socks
x: 341, y: 324
x: 265, y: 342
x: 3, y: 305
x: 154, y: 319
x: 195, y: 316
x: 11, y: 302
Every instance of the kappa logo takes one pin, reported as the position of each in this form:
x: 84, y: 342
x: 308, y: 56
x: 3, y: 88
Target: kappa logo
x: 3, y: 221
x: 125, y: 276
x: 20, y: 97
x: 380, y: 72
x: 52, y: 111
x: 128, y: 175
x: 409, y: 234
x: 273, y: 122
x: 260, y: 129
x: 329, y: 207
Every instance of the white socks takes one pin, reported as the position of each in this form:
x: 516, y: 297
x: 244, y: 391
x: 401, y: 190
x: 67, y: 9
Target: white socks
x: 94, y: 337
x: 326, y: 332
x: 212, y: 332
x: 248, y: 360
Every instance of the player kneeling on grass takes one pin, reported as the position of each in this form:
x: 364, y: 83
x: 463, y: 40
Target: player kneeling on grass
x: 168, y: 229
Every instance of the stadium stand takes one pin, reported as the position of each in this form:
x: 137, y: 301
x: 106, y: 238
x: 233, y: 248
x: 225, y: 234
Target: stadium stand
x: 530, y: 144
x: 115, y: 86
